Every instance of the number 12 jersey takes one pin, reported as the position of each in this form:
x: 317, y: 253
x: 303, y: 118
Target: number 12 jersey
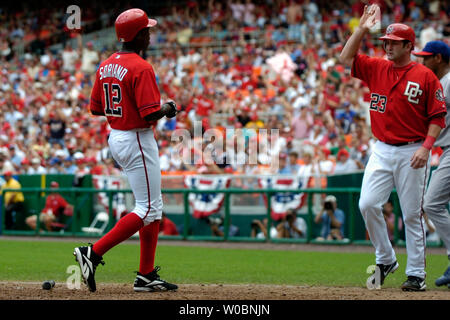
x: 125, y: 91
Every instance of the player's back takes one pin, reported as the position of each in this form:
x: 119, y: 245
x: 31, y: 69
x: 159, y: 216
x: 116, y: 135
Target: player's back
x: 125, y: 90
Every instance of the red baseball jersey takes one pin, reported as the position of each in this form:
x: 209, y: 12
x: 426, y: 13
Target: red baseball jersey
x: 403, y: 100
x: 56, y: 203
x: 168, y: 227
x: 204, y: 106
x: 125, y: 90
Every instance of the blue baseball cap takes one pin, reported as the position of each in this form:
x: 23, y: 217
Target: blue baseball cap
x: 434, y: 47
x: 54, y: 161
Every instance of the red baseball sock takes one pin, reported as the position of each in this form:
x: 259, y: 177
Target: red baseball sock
x: 149, y: 238
x: 124, y: 228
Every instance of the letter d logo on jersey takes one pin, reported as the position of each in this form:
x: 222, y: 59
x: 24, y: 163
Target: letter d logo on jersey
x: 412, y: 91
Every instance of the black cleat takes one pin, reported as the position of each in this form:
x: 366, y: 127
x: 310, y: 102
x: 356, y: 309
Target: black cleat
x: 414, y: 284
x: 88, y: 261
x: 151, y: 282
x: 385, y: 269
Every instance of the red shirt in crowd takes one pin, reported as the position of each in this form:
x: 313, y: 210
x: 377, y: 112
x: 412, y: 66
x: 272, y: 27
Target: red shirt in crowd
x: 203, y: 106
x: 167, y: 227
x: 55, y: 203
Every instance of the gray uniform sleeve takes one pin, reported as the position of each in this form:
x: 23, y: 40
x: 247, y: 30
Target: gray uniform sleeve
x: 444, y: 138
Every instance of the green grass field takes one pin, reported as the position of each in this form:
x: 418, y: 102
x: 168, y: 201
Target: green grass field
x: 40, y: 260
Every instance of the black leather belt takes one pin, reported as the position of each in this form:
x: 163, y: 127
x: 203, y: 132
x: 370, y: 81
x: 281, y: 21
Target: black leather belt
x: 403, y: 143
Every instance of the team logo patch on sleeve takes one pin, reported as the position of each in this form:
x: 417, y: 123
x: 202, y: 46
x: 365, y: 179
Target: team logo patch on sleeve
x: 439, y: 95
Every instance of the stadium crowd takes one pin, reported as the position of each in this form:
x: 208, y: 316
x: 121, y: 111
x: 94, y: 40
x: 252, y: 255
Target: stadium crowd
x: 276, y: 68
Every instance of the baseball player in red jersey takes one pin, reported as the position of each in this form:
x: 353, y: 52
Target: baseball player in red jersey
x: 407, y: 113
x: 126, y: 92
x: 55, y: 205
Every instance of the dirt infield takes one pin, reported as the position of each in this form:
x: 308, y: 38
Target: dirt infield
x: 33, y: 291
x: 109, y: 291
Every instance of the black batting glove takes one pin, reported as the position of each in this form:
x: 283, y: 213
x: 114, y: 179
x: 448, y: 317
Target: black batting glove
x: 172, y: 109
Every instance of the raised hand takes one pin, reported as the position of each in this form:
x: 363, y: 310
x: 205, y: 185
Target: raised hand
x: 370, y: 16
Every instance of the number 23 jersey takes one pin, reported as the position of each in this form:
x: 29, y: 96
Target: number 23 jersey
x: 125, y: 91
x: 403, y: 100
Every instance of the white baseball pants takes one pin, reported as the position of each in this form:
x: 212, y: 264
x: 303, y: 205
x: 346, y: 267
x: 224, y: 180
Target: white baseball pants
x: 136, y: 151
x: 389, y: 167
x: 437, y: 198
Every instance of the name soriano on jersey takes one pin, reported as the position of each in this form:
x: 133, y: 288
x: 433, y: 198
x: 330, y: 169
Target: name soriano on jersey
x: 113, y: 71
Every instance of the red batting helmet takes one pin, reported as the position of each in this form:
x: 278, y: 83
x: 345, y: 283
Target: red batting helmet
x: 130, y: 22
x: 399, y: 31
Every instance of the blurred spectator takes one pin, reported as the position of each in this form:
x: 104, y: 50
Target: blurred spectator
x: 292, y: 226
x: 331, y: 100
x: 89, y: 58
x: 56, y: 207
x: 284, y: 168
x: 427, y: 34
x: 13, y: 201
x: 218, y: 227
x: 332, y: 220
x: 57, y: 126
x: 69, y: 57
x: 55, y: 166
x: 308, y: 169
x: 5, y: 164
x: 25, y: 166
x: 293, y: 162
x: 255, y: 122
x: 167, y: 227
x: 259, y: 229
x: 317, y: 135
x: 344, y: 164
x: 362, y: 156
x: 244, y: 116
x: 69, y: 166
x: 36, y: 167
x: 324, y: 165
x: 15, y: 157
x: 301, y: 126
x: 345, y: 117
x: 389, y: 217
